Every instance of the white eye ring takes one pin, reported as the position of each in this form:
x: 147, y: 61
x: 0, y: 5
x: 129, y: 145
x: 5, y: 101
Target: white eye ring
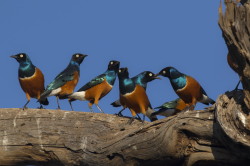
x: 120, y: 71
x: 164, y: 72
x: 150, y: 74
x: 21, y: 55
x: 77, y: 55
x: 111, y: 62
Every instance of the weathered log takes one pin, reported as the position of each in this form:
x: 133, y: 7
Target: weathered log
x: 233, y: 123
x: 55, y: 137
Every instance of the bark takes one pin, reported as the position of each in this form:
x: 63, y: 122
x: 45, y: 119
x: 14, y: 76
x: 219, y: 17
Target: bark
x: 235, y: 26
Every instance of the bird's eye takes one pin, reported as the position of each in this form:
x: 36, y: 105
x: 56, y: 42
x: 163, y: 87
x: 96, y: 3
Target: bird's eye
x: 111, y: 62
x: 77, y: 55
x: 21, y: 55
x: 150, y: 74
x: 164, y: 72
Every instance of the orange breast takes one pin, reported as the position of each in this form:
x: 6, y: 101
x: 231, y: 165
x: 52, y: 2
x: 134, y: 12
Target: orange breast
x: 191, y: 93
x: 33, y: 86
x: 69, y: 87
x: 137, y: 100
x: 97, y: 92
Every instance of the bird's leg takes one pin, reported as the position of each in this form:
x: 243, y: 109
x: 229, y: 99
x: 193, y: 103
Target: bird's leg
x: 191, y: 107
x: 120, y: 112
x: 143, y: 118
x: 90, y: 107
x: 99, y: 108
x: 71, y: 105
x: 131, y: 120
x: 41, y: 106
x: 25, y: 105
x: 133, y: 116
x: 236, y: 88
x: 138, y: 117
x: 57, y: 100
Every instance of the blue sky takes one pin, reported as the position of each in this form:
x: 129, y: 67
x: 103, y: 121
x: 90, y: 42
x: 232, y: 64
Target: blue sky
x: 142, y: 35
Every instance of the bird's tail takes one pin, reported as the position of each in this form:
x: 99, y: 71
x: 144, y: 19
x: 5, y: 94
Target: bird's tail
x: 116, y: 103
x: 43, y: 97
x: 206, y: 100
x: 211, y: 101
x: 71, y: 99
x: 44, y: 102
x: 149, y: 114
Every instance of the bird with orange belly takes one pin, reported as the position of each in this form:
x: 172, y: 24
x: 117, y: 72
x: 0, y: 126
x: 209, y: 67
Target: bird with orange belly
x: 141, y: 79
x: 66, y: 81
x: 133, y: 96
x: 30, y: 78
x: 98, y: 87
x: 186, y: 87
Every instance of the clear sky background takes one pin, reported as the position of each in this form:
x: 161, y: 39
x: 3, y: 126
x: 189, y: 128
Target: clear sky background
x: 142, y: 35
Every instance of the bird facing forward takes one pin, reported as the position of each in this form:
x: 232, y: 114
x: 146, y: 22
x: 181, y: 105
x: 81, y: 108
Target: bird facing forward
x: 133, y: 96
x: 31, y: 79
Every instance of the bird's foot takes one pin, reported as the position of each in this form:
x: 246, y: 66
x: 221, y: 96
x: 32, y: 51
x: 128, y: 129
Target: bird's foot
x: 131, y: 120
x: 40, y: 107
x: 119, y: 114
x: 91, y: 110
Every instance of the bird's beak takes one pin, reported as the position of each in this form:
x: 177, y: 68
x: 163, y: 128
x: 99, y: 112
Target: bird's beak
x: 14, y: 56
x: 117, y: 63
x: 156, y: 77
x: 158, y: 74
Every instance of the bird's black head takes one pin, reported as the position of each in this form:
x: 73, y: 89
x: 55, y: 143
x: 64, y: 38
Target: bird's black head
x: 114, y: 65
x: 165, y: 72
x: 21, y: 57
x: 149, y: 76
x: 123, y: 73
x: 170, y: 72
x: 78, y: 58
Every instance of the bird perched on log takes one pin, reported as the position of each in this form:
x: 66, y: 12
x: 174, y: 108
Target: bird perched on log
x: 133, y: 96
x: 141, y: 79
x: 233, y: 66
x: 98, y: 87
x: 186, y: 87
x: 65, y: 82
x: 30, y: 78
x: 170, y: 108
